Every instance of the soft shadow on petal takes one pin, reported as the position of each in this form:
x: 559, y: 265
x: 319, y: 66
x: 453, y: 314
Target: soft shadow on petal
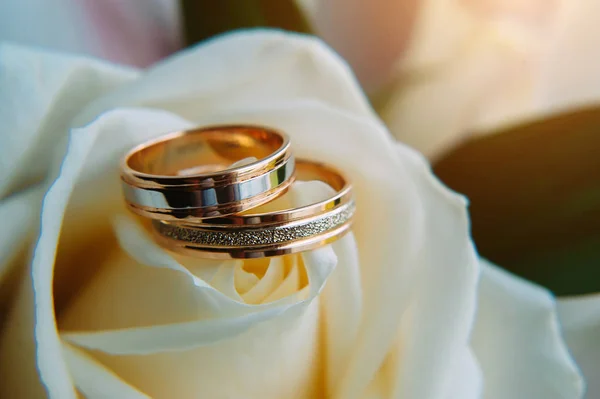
x: 580, y: 322
x: 41, y: 93
x: 466, y: 381
x: 94, y: 380
x: 18, y: 368
x: 518, y: 342
x: 19, y: 214
x: 211, y: 78
x: 436, y: 327
x: 341, y: 311
x: 278, y: 358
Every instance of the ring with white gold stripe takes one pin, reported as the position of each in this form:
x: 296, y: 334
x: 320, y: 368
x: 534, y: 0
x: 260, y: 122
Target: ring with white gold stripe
x: 187, y: 175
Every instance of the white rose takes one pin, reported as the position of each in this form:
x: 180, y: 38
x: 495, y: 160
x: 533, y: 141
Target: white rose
x: 387, y: 312
x: 442, y: 70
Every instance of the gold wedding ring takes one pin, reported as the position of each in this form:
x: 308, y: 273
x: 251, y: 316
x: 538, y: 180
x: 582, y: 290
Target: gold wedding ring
x: 268, y: 234
x: 186, y: 175
x: 199, y: 187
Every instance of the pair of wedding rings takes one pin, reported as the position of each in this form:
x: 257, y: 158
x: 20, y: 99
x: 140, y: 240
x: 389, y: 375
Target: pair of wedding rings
x: 199, y: 186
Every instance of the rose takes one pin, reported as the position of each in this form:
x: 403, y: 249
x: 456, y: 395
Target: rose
x: 463, y: 67
x: 388, y: 311
x: 440, y: 71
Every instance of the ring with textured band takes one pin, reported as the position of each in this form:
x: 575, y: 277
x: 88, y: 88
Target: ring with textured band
x: 257, y: 235
x: 200, y: 173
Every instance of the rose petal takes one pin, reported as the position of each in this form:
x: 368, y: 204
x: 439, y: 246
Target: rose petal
x: 341, y: 306
x: 269, y: 59
x: 94, y: 380
x: 224, y: 280
x: 268, y: 283
x: 370, y: 35
x: 580, y: 322
x: 18, y: 361
x: 466, y: 71
x: 290, y: 285
x: 244, y: 280
x: 518, y: 342
x: 54, y: 87
x: 568, y: 76
x: 278, y: 358
x: 436, y: 324
x: 18, y: 214
x: 466, y: 381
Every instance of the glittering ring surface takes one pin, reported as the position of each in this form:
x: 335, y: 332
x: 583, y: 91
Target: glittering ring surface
x: 256, y: 237
x: 274, y: 233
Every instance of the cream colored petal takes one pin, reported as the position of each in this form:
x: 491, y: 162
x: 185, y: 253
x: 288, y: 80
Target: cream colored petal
x: 518, y: 342
x: 466, y: 381
x: 244, y: 280
x: 224, y: 280
x: 436, y: 321
x: 268, y: 283
x: 90, y: 159
x: 19, y: 215
x: 41, y: 93
x: 472, y: 66
x: 341, y: 307
x: 569, y: 75
x: 290, y: 285
x: 211, y: 79
x: 94, y: 380
x: 580, y: 321
x: 440, y: 108
x: 278, y: 358
x: 342, y: 298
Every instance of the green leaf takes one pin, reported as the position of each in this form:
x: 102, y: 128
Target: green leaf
x: 534, y: 194
x: 203, y: 19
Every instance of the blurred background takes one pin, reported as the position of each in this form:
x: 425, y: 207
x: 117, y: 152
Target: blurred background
x: 502, y: 96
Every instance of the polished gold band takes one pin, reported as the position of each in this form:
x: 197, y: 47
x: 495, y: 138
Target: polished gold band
x: 186, y: 175
x: 267, y: 234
